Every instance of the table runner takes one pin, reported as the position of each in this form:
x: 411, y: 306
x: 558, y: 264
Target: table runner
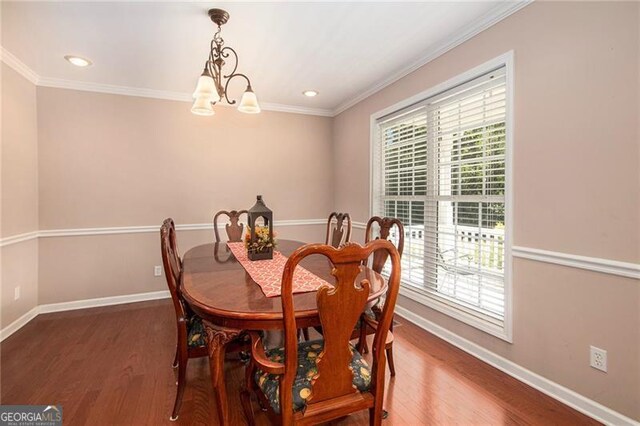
x: 268, y: 273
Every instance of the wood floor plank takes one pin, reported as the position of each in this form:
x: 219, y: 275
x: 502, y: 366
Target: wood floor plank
x: 112, y: 366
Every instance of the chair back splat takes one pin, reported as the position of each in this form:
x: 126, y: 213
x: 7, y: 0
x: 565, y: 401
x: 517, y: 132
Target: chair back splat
x: 339, y: 310
x: 234, y: 227
x: 337, y: 232
x: 385, y: 224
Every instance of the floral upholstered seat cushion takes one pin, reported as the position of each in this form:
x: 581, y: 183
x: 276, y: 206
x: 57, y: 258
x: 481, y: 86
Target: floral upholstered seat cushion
x: 195, y: 332
x: 307, y: 369
x: 369, y: 312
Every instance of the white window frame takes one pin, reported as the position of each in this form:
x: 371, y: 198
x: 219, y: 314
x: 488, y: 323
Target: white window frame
x: 506, y: 60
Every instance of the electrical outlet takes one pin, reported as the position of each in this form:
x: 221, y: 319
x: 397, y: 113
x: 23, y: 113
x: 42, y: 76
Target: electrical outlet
x: 16, y: 293
x: 157, y: 271
x: 598, y: 358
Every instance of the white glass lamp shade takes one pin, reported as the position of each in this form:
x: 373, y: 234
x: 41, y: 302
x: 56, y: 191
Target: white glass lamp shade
x: 206, y: 88
x: 202, y: 106
x: 249, y: 102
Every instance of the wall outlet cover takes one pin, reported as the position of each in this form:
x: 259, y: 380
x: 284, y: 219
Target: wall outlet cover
x: 598, y: 358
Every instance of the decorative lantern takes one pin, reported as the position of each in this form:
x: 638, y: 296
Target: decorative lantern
x: 260, y: 240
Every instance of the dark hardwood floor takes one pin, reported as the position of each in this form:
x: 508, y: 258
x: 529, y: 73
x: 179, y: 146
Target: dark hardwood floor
x: 112, y: 366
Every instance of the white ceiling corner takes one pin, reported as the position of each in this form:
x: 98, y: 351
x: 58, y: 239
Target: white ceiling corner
x: 339, y: 49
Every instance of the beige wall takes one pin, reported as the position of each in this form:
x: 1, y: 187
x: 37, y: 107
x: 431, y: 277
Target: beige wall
x: 86, y: 267
x: 108, y: 161
x: 576, y: 173
x: 100, y: 155
x: 19, y: 194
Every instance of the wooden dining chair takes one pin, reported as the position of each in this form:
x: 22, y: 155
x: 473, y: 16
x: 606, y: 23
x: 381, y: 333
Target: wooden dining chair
x: 191, y: 335
x: 336, y: 232
x: 234, y: 228
x: 317, y: 381
x: 371, y: 317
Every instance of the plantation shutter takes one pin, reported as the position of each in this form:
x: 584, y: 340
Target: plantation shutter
x: 440, y: 169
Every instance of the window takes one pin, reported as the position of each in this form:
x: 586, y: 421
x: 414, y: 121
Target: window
x: 440, y: 166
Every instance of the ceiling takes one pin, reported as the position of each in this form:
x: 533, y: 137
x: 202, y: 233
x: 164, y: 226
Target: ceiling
x: 343, y: 50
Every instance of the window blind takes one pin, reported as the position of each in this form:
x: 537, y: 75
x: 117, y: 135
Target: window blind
x: 439, y: 167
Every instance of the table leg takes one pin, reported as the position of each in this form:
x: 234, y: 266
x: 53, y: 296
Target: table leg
x: 217, y: 339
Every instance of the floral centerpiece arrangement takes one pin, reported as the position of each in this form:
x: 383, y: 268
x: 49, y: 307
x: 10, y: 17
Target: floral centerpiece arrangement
x: 263, y: 242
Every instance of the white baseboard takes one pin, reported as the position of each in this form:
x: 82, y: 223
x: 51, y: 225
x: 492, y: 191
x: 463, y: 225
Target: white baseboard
x: 102, y: 301
x: 80, y: 304
x: 18, y: 324
x: 566, y: 396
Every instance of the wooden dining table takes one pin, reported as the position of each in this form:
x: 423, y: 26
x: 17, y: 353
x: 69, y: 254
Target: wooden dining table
x: 217, y: 288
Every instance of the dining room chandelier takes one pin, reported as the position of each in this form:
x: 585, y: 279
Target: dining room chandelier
x: 213, y: 83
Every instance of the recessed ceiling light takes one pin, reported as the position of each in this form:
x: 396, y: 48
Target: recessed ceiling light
x: 310, y: 93
x: 78, y: 61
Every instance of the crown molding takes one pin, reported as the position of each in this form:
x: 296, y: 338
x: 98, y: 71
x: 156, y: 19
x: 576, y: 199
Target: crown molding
x: 166, y: 95
x: 83, y: 86
x: 494, y: 16
x: 268, y: 106
x: 17, y: 65
x: 497, y: 14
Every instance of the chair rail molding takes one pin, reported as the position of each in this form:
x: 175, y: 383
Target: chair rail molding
x: 77, y: 232
x: 19, y: 238
x: 596, y: 264
x: 156, y: 228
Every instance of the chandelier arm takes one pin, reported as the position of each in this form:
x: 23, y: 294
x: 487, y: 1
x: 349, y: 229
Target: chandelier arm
x: 227, y: 85
x: 235, y: 67
x: 215, y: 75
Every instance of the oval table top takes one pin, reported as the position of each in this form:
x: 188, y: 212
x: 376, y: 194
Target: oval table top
x: 218, y: 288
